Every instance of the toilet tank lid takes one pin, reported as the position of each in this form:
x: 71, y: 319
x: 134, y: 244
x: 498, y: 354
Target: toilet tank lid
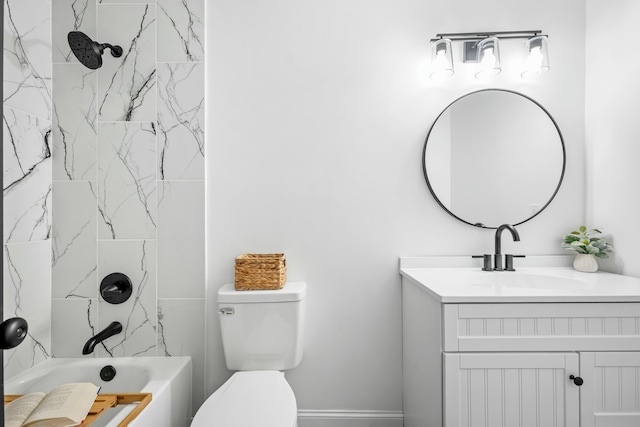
x: 292, y: 291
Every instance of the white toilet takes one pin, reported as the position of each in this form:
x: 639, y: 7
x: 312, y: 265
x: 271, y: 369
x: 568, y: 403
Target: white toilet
x: 262, y: 335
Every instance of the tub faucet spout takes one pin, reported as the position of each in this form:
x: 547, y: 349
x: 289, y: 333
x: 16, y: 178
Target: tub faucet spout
x: 111, y: 330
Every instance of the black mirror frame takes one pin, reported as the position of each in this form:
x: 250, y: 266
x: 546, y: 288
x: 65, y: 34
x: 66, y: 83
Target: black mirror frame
x: 478, y: 224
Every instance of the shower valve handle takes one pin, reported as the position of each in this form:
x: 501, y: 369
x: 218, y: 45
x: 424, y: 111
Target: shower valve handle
x: 12, y: 332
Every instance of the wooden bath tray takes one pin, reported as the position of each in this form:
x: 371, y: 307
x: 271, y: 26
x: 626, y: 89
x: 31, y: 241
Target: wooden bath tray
x: 106, y: 401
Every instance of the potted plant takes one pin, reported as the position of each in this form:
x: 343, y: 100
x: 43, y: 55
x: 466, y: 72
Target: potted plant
x: 588, y: 244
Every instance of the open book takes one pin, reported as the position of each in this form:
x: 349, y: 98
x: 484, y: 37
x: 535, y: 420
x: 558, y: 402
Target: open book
x: 65, y: 405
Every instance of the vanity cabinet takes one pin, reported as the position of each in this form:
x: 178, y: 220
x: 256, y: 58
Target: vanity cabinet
x: 508, y: 362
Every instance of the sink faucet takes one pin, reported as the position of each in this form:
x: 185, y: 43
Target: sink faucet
x: 111, y: 330
x: 497, y: 257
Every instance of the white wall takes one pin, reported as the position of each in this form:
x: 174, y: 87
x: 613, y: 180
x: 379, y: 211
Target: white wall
x: 613, y: 135
x: 317, y: 114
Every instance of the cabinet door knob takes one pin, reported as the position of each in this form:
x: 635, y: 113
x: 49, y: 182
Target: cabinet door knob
x: 576, y: 380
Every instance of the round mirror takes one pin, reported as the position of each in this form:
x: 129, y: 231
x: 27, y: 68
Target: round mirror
x: 494, y: 157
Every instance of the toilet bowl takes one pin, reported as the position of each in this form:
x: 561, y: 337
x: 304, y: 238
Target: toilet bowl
x: 250, y: 399
x: 262, y: 335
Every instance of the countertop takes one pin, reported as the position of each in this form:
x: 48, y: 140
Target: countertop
x: 528, y: 284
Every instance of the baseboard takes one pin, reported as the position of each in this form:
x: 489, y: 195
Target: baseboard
x: 345, y: 418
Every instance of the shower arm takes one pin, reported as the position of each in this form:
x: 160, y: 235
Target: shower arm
x: 116, y: 51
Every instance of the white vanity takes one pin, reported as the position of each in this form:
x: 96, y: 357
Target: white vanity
x: 506, y: 349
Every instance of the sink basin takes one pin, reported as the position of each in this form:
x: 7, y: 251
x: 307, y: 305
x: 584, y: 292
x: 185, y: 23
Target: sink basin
x: 530, y: 281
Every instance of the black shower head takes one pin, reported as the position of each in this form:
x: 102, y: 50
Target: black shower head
x: 88, y: 52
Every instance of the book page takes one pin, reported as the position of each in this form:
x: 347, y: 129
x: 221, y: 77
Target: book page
x: 16, y: 412
x: 68, y: 401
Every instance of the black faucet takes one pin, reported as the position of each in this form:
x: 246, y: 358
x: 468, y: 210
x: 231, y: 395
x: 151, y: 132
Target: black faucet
x: 111, y: 330
x: 497, y: 256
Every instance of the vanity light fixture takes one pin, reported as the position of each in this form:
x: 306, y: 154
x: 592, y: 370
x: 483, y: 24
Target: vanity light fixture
x: 483, y: 49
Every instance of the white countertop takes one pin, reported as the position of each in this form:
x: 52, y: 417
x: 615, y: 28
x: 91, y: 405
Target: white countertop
x: 453, y: 284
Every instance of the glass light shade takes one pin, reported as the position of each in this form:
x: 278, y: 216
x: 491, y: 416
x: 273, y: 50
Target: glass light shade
x: 488, y: 62
x: 441, y: 59
x: 536, y: 56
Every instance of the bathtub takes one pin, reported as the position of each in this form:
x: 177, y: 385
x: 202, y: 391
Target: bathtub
x: 167, y: 378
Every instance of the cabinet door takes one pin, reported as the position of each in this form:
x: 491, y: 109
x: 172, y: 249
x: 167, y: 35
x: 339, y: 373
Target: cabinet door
x: 510, y: 390
x: 610, y: 395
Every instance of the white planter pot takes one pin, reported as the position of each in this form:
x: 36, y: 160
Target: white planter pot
x: 586, y: 263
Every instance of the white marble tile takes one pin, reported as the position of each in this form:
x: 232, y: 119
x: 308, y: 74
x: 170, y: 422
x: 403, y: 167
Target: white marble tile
x: 181, y: 333
x: 71, y: 15
x: 27, y: 56
x: 127, y: 180
x: 74, y: 258
x: 181, y: 121
x: 74, y: 122
x: 180, y: 30
x: 27, y: 294
x: 138, y: 315
x: 27, y: 207
x: 27, y: 177
x: 181, y: 239
x: 73, y: 323
x: 125, y: 1
x: 126, y: 85
x: 26, y: 144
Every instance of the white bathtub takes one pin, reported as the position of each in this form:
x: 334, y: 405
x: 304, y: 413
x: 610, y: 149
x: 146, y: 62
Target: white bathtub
x: 167, y: 378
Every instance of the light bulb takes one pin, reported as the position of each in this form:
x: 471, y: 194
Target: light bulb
x: 487, y: 66
x: 535, y: 59
x: 441, y: 66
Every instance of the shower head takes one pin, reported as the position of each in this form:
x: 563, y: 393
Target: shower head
x: 88, y: 52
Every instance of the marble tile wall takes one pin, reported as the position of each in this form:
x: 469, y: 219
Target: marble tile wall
x: 27, y: 177
x: 128, y: 179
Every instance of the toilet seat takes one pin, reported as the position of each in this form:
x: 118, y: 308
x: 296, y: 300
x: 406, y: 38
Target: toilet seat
x: 248, y: 399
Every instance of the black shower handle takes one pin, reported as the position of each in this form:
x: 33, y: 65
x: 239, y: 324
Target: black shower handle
x: 12, y: 332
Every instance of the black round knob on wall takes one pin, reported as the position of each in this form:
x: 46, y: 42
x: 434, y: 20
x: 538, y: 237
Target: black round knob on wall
x: 116, y: 288
x: 576, y: 380
x: 12, y: 332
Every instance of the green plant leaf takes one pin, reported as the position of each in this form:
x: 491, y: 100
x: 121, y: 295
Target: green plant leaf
x: 587, y: 241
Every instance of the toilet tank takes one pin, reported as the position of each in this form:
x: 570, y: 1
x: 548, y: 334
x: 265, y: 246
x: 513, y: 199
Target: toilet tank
x: 262, y: 330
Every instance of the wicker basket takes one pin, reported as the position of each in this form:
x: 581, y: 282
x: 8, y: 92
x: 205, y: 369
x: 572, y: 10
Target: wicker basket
x: 260, y: 272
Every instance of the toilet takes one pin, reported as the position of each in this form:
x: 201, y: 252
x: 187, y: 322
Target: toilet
x: 262, y: 335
